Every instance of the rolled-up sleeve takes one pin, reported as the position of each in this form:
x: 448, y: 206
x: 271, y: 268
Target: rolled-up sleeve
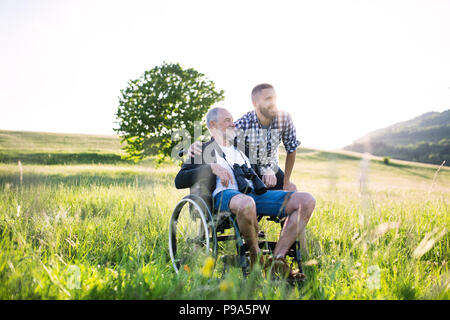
x: 289, y: 135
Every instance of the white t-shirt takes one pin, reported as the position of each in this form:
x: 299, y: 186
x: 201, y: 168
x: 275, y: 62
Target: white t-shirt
x: 233, y: 156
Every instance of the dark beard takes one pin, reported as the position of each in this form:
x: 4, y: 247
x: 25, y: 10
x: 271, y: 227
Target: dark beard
x: 267, y: 114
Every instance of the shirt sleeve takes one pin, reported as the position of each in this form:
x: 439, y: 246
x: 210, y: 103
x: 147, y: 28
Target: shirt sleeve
x: 289, y: 135
x: 241, y: 126
x: 271, y: 168
x: 240, y: 139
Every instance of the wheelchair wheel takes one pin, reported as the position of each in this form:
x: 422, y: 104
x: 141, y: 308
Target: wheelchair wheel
x: 192, y: 236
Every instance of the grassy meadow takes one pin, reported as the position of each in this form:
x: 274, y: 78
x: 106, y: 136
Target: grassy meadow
x: 77, y: 222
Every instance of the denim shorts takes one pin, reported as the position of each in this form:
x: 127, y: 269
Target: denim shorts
x: 270, y: 203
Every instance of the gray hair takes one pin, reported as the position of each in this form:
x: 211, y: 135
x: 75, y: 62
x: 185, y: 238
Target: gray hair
x: 213, y: 115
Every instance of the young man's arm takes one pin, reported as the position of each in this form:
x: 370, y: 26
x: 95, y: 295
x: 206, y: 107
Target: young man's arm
x: 290, y: 144
x: 288, y: 166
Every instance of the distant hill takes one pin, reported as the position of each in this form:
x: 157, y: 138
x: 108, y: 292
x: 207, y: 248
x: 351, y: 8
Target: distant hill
x: 425, y: 138
x: 63, y: 142
x: 58, y: 148
x: 42, y: 148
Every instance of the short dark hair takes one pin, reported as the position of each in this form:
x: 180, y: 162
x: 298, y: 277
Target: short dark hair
x: 259, y: 88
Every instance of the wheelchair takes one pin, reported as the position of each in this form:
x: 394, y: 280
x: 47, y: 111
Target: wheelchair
x: 196, y: 231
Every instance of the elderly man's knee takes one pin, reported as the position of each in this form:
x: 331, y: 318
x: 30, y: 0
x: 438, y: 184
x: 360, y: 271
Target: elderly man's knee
x: 309, y: 202
x: 303, y: 201
x: 242, y: 204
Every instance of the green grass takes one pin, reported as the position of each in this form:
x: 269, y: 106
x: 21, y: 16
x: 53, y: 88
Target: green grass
x: 99, y: 231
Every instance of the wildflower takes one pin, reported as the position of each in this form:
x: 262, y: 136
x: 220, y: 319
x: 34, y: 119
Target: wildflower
x: 186, y: 268
x: 208, y: 267
x: 312, y: 262
x: 225, y: 286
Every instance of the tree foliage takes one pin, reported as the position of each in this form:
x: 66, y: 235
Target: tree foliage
x: 163, y: 100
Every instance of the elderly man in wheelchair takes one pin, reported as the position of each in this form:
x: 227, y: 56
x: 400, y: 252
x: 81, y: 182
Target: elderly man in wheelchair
x: 229, y: 184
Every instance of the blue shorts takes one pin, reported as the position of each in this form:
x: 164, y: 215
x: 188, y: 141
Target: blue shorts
x: 270, y: 203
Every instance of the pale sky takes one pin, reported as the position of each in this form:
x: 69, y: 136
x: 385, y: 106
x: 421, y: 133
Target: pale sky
x: 341, y: 68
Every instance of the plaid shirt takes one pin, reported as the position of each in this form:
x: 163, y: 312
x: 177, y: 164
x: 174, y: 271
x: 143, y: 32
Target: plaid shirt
x: 261, y: 145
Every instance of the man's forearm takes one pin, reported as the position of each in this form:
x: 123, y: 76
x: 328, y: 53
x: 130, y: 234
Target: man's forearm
x: 289, y: 165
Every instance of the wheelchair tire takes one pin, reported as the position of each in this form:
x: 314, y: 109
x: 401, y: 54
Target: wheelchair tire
x: 192, y: 235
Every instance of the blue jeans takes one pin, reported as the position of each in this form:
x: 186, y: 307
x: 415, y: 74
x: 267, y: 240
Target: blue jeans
x: 270, y: 203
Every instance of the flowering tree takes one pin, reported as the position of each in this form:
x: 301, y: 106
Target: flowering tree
x: 165, y: 99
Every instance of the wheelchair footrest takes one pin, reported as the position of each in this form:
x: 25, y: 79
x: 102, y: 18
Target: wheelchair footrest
x: 226, y: 238
x: 270, y: 247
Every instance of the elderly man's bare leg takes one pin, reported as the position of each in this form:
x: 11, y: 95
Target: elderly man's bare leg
x: 299, y: 209
x: 244, y: 208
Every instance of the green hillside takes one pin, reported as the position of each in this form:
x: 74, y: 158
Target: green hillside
x: 423, y: 139
x: 57, y: 148
x: 58, y: 142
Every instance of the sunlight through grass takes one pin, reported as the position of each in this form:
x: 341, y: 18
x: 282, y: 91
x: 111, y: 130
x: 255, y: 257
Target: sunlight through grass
x: 100, y: 232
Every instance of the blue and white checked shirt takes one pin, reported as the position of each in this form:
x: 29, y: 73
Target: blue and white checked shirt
x: 260, y: 144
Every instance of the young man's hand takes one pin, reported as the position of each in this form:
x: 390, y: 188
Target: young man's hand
x: 289, y: 186
x: 223, y: 174
x: 270, y: 180
x: 195, y: 149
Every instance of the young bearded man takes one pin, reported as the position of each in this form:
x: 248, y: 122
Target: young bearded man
x: 216, y: 173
